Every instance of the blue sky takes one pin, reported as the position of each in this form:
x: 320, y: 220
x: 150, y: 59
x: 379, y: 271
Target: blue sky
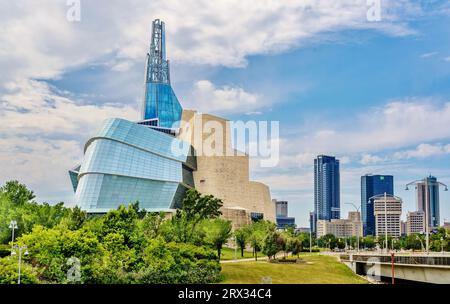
x: 375, y: 94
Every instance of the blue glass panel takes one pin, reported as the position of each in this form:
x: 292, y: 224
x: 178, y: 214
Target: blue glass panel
x: 162, y: 103
x: 74, y: 179
x: 143, y: 137
x: 100, y: 193
x: 107, y: 156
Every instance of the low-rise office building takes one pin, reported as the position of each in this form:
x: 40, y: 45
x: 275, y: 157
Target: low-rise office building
x: 282, y: 218
x: 341, y: 227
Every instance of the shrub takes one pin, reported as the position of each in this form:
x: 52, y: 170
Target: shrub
x: 167, y: 263
x: 5, y: 250
x: 9, y: 272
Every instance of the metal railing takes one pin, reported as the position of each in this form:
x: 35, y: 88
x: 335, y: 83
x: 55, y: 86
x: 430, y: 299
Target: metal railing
x: 399, y: 259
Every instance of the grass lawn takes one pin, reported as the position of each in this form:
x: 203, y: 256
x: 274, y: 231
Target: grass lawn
x: 228, y: 254
x: 323, y: 270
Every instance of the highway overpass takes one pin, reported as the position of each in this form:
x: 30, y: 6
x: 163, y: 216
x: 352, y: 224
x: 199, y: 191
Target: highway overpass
x: 431, y: 268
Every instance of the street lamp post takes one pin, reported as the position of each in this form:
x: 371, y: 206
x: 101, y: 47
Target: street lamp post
x: 427, y: 194
x: 235, y: 248
x: 421, y: 243
x: 20, y: 249
x: 13, y: 226
x: 385, y: 221
x: 360, y: 221
x: 310, y: 240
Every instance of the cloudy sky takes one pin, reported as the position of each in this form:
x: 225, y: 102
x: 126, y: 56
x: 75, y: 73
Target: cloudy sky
x: 374, y: 93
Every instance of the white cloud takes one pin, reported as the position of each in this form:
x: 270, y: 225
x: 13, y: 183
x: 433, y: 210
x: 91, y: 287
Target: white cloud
x: 37, y: 41
x: 367, y: 159
x: 447, y: 59
x: 427, y: 55
x: 344, y: 160
x: 396, y: 125
x: 206, y: 96
x: 423, y: 151
x: 289, y: 182
x: 43, y: 133
x: 32, y: 108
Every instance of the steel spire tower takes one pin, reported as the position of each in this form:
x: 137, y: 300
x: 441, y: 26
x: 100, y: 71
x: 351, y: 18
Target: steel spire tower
x: 157, y: 65
x: 161, y: 107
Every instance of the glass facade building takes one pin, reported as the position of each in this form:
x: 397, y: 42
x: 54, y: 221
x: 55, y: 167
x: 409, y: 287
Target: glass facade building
x: 285, y: 221
x: 125, y: 162
x: 326, y: 189
x: 372, y: 185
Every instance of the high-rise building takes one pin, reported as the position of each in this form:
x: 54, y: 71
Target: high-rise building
x: 281, y: 207
x: 326, y: 188
x: 341, y: 227
x: 433, y: 200
x: 387, y: 216
x: 155, y: 160
x: 415, y: 222
x: 372, y: 185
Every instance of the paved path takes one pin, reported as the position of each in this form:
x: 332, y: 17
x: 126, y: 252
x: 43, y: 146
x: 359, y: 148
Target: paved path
x: 260, y: 258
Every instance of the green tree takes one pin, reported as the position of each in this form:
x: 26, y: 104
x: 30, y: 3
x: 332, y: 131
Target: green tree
x: 328, y: 241
x: 295, y: 245
x: 272, y: 243
x: 27, y: 215
x: 151, y: 224
x: 242, y: 236
x: 195, y: 208
x: 368, y: 241
x: 198, y: 207
x: 258, y: 231
x: 217, y: 232
x: 123, y: 220
x: 76, y: 218
x: 18, y: 193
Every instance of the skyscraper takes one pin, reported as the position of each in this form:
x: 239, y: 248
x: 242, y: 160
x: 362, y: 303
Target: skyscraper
x: 373, y: 185
x: 433, y: 200
x: 326, y: 189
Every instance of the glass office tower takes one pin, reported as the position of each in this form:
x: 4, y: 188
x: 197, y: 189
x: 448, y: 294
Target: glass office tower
x: 326, y: 189
x: 373, y: 185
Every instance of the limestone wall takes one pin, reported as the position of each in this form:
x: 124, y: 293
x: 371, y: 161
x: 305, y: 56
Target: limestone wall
x: 222, y: 171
